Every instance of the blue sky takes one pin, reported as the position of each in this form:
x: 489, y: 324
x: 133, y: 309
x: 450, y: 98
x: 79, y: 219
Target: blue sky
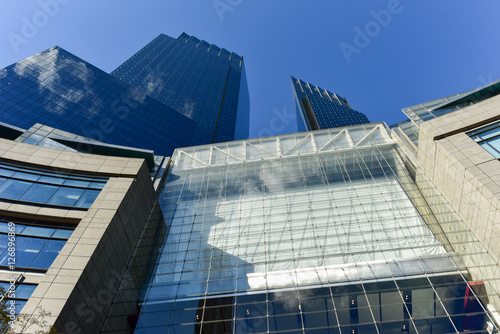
x: 381, y: 55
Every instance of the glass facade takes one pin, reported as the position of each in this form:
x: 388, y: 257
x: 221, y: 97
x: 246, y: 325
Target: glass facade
x: 317, y: 108
x: 305, y: 233
x: 429, y: 110
x: 60, y: 90
x: 172, y: 93
x: 199, y: 80
x: 489, y: 138
x: 37, y: 244
x: 21, y: 184
x: 23, y: 293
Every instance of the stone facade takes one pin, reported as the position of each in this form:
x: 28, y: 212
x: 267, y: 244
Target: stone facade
x: 78, y: 288
x: 454, y: 166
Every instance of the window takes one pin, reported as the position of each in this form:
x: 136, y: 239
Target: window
x: 22, y: 293
x: 37, y: 243
x: 489, y: 138
x: 46, y: 187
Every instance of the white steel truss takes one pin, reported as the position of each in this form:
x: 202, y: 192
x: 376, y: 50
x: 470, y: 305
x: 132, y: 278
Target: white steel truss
x: 337, y: 139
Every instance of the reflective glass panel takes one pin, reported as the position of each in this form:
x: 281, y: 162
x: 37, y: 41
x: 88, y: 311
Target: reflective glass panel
x: 66, y: 196
x: 13, y: 189
x: 39, y: 193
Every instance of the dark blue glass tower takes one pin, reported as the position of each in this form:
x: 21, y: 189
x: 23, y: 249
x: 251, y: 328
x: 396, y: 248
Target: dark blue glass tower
x: 60, y: 90
x: 172, y: 93
x: 318, y: 108
x: 199, y: 80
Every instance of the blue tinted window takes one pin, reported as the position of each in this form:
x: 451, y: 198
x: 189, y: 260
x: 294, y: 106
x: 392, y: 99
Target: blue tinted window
x: 22, y: 291
x: 488, y: 137
x: 19, y: 305
x: 76, y: 183
x: 66, y: 196
x: 36, y: 246
x: 4, y: 227
x: 31, y: 186
x: 97, y: 185
x: 26, y: 250
x: 62, y: 234
x: 48, y: 254
x: 25, y: 291
x: 26, y: 176
x: 102, y: 99
x: 4, y: 241
x: 492, y: 146
x: 39, y: 193
x: 87, y: 198
x: 50, y: 179
x: 13, y: 189
x: 37, y: 231
x: 6, y: 172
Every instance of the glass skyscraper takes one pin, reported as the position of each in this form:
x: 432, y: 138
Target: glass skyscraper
x: 346, y: 229
x: 197, y: 79
x: 186, y: 94
x: 318, y: 108
x: 60, y: 90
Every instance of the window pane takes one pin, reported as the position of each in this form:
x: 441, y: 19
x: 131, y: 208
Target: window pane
x: 4, y: 227
x: 48, y: 254
x: 24, y: 291
x: 6, y: 172
x: 13, y: 189
x: 39, y: 193
x: 492, y: 146
x: 87, y: 198
x: 491, y: 133
x: 62, y: 234
x: 49, y: 179
x: 66, y: 196
x: 76, y: 183
x: 97, y: 185
x: 26, y: 250
x: 38, y: 231
x: 26, y: 176
x: 4, y: 242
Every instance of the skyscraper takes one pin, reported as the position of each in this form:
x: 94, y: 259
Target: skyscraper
x: 318, y: 108
x: 58, y: 89
x: 187, y: 97
x: 352, y: 229
x: 197, y: 79
x: 80, y: 217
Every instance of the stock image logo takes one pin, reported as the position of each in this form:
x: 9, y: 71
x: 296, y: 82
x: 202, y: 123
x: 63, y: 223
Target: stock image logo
x: 223, y: 6
x: 31, y: 24
x: 364, y: 35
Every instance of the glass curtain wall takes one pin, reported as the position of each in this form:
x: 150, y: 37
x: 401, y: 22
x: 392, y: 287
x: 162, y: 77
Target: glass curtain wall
x: 296, y: 233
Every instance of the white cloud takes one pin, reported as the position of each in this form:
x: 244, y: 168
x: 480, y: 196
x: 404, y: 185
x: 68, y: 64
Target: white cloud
x: 60, y: 94
x: 188, y: 109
